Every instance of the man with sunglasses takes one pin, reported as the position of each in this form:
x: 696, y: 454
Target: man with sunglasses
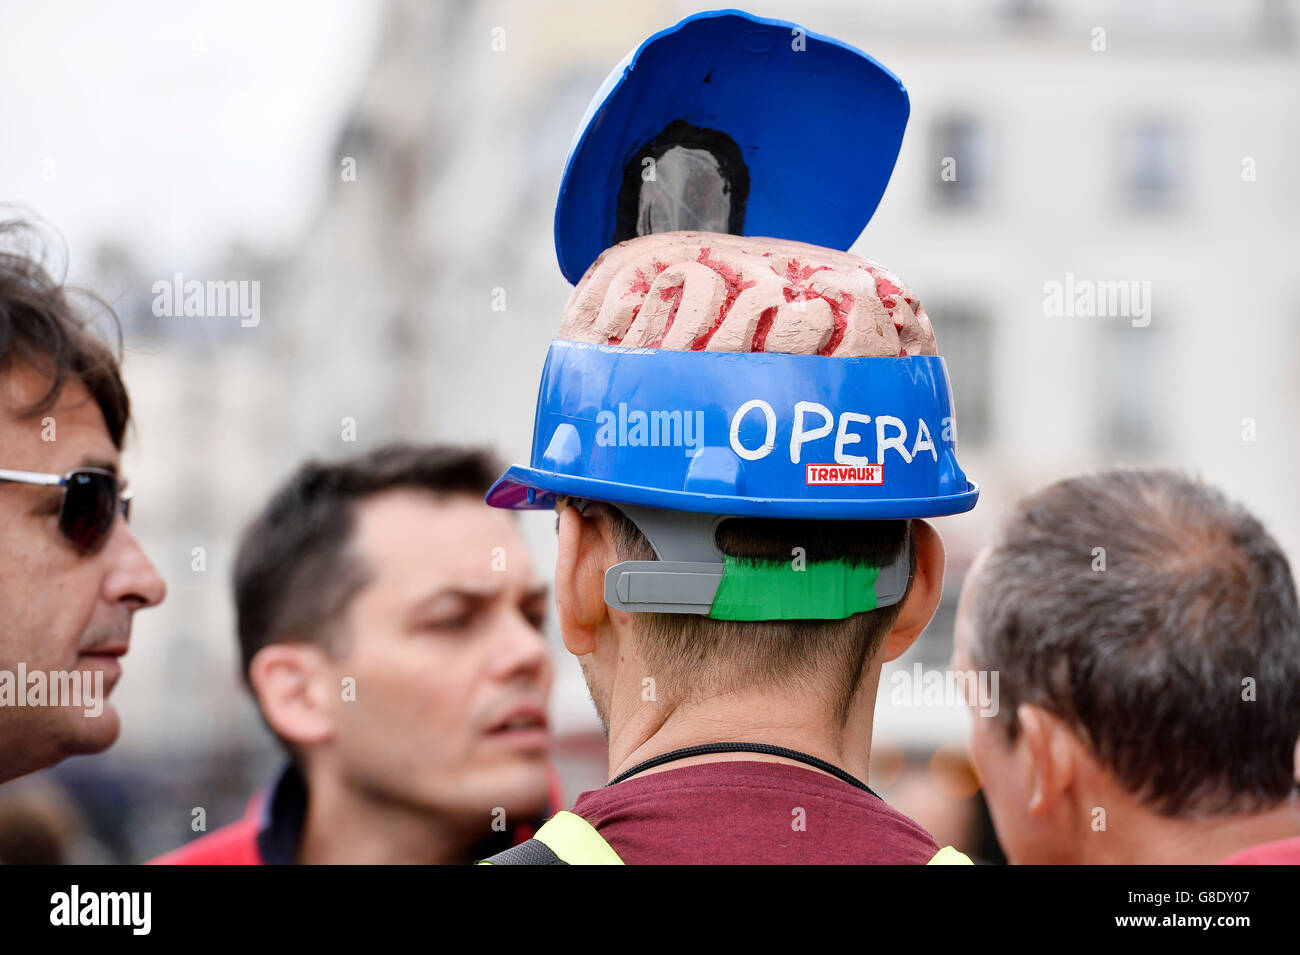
x: 72, y: 574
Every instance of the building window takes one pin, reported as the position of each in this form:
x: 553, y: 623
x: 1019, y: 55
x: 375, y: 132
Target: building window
x: 1128, y: 385
x: 958, y: 163
x: 962, y: 333
x: 1152, y: 166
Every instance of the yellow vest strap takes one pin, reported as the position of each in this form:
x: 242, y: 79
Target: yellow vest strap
x: 949, y: 856
x: 576, y: 841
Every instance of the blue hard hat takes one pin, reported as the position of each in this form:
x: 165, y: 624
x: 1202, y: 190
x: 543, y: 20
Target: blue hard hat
x: 742, y: 433
x: 803, y: 129
x: 799, y: 133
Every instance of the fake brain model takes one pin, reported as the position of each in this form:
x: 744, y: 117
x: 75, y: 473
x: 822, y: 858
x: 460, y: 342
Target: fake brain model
x: 700, y: 291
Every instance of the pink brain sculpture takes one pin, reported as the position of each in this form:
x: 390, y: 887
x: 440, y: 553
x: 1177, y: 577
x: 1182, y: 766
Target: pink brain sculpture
x: 700, y: 291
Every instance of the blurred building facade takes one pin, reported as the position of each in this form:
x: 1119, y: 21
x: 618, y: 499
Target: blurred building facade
x: 421, y: 302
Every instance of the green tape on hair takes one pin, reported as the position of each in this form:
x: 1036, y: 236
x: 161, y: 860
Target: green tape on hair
x: 774, y: 590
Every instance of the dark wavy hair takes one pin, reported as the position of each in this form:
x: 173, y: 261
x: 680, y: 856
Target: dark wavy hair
x: 41, y: 327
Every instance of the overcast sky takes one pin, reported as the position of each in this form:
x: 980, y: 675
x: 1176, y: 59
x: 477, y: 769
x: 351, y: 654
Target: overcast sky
x: 176, y: 128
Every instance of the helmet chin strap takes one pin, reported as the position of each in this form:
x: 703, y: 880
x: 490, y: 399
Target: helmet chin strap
x: 693, y: 576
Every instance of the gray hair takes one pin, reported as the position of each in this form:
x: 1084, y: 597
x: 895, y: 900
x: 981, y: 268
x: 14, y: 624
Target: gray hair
x: 1159, y: 620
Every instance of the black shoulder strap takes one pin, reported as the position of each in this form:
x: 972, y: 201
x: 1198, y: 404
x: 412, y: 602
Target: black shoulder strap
x: 564, y: 839
x: 529, y: 852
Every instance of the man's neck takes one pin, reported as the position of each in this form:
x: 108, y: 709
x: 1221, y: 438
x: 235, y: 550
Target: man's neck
x: 1162, y: 840
x: 640, y: 730
x: 343, y: 826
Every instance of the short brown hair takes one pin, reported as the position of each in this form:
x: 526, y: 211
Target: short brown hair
x: 40, y: 327
x: 693, y: 655
x: 1135, y: 605
x: 294, y: 576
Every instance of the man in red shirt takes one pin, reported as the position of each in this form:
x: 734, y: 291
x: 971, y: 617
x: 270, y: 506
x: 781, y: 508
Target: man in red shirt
x: 1146, y: 635
x: 390, y: 630
x: 742, y: 427
x: 797, y: 698
x: 734, y: 659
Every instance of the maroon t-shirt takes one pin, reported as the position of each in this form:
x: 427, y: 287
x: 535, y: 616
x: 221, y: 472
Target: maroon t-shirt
x: 750, y: 813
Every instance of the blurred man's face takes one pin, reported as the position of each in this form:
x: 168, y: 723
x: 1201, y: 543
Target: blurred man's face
x: 451, y: 671
x: 998, y: 762
x: 61, y: 610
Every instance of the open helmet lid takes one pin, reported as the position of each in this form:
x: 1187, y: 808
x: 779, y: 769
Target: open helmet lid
x: 733, y: 123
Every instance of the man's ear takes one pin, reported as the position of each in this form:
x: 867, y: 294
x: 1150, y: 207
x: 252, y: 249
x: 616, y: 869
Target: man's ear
x: 923, y: 599
x: 1050, y: 749
x: 288, y: 680
x: 585, y: 553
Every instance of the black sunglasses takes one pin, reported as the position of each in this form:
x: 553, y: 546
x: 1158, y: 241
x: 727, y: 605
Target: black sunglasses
x: 91, y: 501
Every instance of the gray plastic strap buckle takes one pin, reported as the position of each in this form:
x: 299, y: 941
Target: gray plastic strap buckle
x: 669, y: 586
x: 684, y: 579
x: 892, y: 581
x: 686, y: 576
